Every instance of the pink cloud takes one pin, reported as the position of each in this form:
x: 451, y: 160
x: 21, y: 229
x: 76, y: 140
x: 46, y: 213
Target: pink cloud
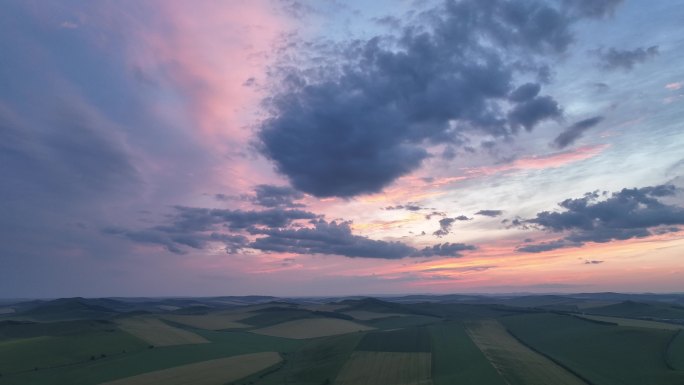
x: 207, y: 59
x: 554, y: 160
x: 674, y: 86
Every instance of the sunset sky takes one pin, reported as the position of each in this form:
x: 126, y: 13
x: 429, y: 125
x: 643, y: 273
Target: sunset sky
x: 312, y: 148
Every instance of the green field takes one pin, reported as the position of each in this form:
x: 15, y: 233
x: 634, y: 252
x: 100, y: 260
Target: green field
x: 313, y: 363
x: 415, y: 339
x: 604, y: 354
x: 275, y: 316
x: 457, y: 360
x: 398, y: 322
x: 386, y: 368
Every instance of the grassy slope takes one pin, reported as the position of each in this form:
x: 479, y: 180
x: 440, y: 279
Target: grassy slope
x: 675, y: 351
x: 49, y: 351
x: 640, y: 309
x: 223, y: 344
x: 606, y: 355
x: 158, y: 333
x: 312, y: 328
x: 639, y: 323
x: 457, y: 360
x: 386, y: 368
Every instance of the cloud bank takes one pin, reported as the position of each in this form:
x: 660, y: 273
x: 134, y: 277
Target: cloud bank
x: 626, y: 214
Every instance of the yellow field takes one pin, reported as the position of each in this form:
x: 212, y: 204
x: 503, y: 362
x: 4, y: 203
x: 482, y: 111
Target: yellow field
x: 212, y: 372
x: 386, y: 368
x: 634, y: 322
x: 311, y: 328
x: 158, y: 333
x: 209, y: 321
x: 516, y: 362
x: 369, y: 315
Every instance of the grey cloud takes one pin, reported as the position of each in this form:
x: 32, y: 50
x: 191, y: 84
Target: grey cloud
x: 625, y: 59
x: 276, y: 196
x: 446, y: 250
x: 592, y: 262
x: 197, y: 227
x: 575, y: 131
x: 629, y: 213
x: 489, y: 213
x: 462, y: 218
x: 435, y: 213
x: 336, y: 238
x: 444, y: 227
x: 272, y: 230
x: 202, y: 219
x: 529, y: 113
x: 546, y: 246
x: 333, y: 238
x: 354, y: 127
x: 408, y: 206
x: 525, y: 92
x: 596, y: 9
x: 176, y: 242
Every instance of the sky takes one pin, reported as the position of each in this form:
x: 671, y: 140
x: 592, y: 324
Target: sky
x: 320, y: 148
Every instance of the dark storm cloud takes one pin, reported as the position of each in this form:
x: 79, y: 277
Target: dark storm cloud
x: 277, y: 196
x: 629, y: 213
x: 625, y: 59
x: 355, y: 126
x: 575, y: 131
x: 489, y: 213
